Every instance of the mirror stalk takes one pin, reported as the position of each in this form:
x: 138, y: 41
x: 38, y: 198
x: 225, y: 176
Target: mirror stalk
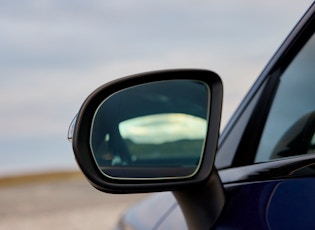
x: 202, y: 204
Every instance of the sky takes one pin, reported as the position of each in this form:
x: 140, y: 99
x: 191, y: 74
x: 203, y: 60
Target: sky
x: 53, y: 54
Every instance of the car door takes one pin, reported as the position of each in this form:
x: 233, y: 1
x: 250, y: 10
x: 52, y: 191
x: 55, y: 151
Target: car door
x: 270, y: 177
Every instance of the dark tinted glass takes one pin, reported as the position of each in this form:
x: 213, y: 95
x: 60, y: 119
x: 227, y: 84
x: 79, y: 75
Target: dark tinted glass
x: 290, y: 126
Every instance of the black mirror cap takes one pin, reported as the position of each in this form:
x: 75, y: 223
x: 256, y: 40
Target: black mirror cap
x: 81, y: 135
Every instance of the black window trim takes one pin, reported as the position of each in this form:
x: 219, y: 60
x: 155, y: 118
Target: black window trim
x: 286, y: 168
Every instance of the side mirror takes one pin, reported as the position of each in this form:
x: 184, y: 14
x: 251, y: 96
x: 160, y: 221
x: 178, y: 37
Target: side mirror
x: 154, y: 131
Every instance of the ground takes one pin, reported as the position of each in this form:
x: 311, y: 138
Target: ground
x: 61, y: 201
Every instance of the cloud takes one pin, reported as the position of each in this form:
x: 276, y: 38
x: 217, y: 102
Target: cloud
x: 58, y: 34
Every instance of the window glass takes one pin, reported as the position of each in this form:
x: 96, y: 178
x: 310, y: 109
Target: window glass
x: 290, y: 127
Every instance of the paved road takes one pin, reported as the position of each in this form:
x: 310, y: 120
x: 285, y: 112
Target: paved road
x: 60, y: 204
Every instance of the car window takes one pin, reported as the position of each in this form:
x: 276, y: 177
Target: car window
x: 290, y: 126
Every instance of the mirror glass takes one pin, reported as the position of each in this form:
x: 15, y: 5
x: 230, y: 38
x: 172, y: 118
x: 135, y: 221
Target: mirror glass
x: 153, y: 130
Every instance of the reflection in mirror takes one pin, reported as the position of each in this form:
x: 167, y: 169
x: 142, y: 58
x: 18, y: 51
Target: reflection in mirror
x: 153, y: 130
x: 174, y: 135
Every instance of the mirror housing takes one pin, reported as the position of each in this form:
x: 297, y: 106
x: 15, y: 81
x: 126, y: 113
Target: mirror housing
x: 82, y: 139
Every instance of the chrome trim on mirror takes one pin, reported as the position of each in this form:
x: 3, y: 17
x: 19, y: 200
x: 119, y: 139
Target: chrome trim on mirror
x: 71, y: 128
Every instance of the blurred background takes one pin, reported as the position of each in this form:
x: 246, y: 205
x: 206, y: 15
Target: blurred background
x: 53, y: 54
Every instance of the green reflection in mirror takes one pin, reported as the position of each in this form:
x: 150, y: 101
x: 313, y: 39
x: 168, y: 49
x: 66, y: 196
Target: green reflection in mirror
x: 154, y: 130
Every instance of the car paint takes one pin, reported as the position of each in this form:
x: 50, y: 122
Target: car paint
x: 273, y: 204
x: 258, y: 196
x: 161, y: 207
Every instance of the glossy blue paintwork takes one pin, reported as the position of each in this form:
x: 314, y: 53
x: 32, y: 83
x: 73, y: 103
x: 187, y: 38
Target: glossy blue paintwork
x: 150, y: 212
x: 255, y: 205
x: 283, y: 204
x: 293, y: 198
